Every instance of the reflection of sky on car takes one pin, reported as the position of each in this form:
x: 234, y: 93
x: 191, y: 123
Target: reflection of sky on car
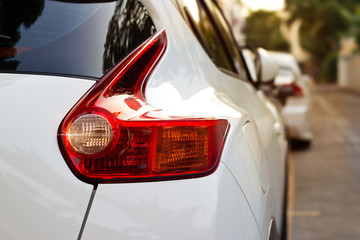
x: 50, y: 25
x: 59, y: 38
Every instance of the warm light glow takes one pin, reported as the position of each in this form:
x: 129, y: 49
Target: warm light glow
x: 193, y: 8
x: 269, y: 5
x: 90, y: 134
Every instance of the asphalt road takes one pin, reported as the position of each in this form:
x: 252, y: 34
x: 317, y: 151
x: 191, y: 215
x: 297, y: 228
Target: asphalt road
x: 325, y: 187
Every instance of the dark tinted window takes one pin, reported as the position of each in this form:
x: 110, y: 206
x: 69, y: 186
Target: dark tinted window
x: 202, y: 26
x: 227, y: 36
x: 210, y: 27
x: 85, y: 39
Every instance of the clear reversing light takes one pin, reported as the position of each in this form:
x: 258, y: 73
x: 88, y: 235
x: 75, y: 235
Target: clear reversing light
x: 106, y: 138
x: 90, y: 134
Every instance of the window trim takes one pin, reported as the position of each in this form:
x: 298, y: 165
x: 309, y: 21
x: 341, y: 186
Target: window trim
x: 242, y: 59
x: 181, y: 5
x: 218, y: 33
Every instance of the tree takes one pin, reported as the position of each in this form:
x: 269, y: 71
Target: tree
x: 263, y: 30
x: 324, y: 22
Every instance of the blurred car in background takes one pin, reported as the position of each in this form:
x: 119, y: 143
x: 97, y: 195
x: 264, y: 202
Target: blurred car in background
x: 134, y: 120
x: 295, y: 94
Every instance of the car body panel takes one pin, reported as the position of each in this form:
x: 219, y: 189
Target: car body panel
x: 297, y: 116
x: 296, y: 111
x: 187, y: 83
x: 238, y: 200
x: 210, y: 207
x: 40, y: 197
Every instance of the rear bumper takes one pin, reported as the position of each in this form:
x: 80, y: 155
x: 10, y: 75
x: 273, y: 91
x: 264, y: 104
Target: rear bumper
x: 211, y: 207
x: 297, y: 118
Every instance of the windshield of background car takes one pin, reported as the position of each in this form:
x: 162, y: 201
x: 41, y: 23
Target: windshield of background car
x: 86, y: 38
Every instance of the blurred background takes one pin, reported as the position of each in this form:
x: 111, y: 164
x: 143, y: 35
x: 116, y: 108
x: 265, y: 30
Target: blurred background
x: 324, y: 37
x: 319, y: 33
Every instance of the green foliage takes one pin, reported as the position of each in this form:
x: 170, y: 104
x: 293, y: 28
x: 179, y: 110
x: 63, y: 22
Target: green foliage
x: 324, y: 22
x: 301, y: 5
x: 263, y: 30
x: 356, y: 23
x: 329, y: 70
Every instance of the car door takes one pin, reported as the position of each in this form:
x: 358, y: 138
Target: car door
x: 260, y: 179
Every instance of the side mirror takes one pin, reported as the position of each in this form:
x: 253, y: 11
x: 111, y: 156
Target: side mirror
x: 266, y: 67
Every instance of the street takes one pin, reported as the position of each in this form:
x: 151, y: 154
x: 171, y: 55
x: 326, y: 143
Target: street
x: 324, y: 193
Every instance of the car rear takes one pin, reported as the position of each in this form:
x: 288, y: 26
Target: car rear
x: 50, y: 56
x: 296, y: 101
x: 113, y: 129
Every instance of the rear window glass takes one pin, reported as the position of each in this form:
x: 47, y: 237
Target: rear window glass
x: 70, y: 37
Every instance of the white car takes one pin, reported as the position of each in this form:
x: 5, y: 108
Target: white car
x: 134, y: 120
x: 296, y: 97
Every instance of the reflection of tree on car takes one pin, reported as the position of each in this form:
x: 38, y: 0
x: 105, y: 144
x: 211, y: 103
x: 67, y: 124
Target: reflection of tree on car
x: 15, y: 13
x: 65, y: 38
x: 125, y: 32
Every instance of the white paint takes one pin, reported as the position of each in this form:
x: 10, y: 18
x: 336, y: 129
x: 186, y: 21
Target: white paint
x: 40, y: 197
x: 230, y: 202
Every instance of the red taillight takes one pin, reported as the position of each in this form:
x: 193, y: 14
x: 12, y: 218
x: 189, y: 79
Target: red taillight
x: 297, y: 91
x: 109, y: 135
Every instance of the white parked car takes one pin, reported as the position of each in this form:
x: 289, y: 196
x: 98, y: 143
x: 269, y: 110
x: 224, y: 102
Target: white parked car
x: 295, y: 93
x: 134, y: 120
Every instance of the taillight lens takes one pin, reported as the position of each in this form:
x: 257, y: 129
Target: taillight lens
x: 111, y: 135
x: 89, y: 134
x: 296, y: 89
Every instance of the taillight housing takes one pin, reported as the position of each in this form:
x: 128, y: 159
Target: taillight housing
x: 297, y: 91
x: 111, y: 134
